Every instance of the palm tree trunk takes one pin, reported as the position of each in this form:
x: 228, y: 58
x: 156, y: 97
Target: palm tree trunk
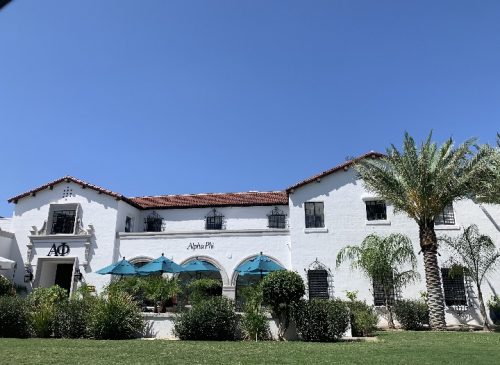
x: 482, y: 308
x: 428, y: 243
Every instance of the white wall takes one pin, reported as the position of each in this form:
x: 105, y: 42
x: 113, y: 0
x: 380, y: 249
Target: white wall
x: 99, y: 210
x: 193, y: 219
x: 345, y: 224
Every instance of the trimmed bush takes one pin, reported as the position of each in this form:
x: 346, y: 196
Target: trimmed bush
x: 321, y: 319
x: 42, y: 303
x: 211, y: 319
x: 6, y: 287
x: 412, y: 314
x: 14, y: 317
x: 363, y: 318
x: 281, y: 291
x: 115, y: 318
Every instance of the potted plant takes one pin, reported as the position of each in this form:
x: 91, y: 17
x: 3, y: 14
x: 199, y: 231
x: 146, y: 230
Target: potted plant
x: 494, y: 305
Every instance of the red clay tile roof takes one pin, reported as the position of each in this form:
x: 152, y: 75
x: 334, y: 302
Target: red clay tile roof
x: 212, y: 200
x: 82, y: 183
x: 372, y: 154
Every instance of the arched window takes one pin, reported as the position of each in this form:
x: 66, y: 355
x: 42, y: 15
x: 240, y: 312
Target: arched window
x: 319, y: 281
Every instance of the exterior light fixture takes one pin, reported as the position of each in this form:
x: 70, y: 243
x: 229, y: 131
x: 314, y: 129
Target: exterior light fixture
x: 28, y: 275
x: 78, y: 275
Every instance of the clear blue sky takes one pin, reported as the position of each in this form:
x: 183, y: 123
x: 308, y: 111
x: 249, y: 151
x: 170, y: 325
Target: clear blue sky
x: 159, y: 97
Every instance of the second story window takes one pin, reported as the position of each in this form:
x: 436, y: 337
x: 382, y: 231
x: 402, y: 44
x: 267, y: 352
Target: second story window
x: 314, y: 215
x: 446, y: 217
x: 376, y: 210
x: 128, y: 224
x: 276, y: 219
x: 153, y: 223
x: 63, y: 221
x: 214, y: 220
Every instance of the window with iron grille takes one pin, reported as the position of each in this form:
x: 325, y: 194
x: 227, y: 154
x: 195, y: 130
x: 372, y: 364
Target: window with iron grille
x: 376, y: 210
x: 128, y: 224
x: 214, y: 220
x: 277, y: 219
x: 153, y: 223
x: 314, y: 214
x: 63, y: 221
x: 447, y: 216
x: 454, y: 288
x: 379, y: 294
x: 317, y: 281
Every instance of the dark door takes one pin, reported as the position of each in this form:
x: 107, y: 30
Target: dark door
x: 64, y: 272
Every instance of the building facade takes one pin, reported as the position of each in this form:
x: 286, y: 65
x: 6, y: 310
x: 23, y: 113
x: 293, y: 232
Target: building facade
x: 64, y: 231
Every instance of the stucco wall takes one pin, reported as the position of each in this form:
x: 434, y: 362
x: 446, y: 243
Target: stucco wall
x: 346, y: 224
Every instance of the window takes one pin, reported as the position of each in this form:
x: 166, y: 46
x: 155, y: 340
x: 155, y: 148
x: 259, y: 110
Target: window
x: 379, y: 294
x: 214, y: 220
x: 317, y: 281
x: 128, y: 224
x: 277, y: 219
x: 63, y: 221
x: 153, y: 223
x: 314, y: 215
x: 454, y: 288
x: 376, y: 210
x: 446, y: 217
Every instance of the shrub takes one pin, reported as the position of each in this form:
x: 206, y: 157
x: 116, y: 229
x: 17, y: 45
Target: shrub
x: 202, y: 289
x: 72, y: 317
x: 6, y: 287
x: 159, y: 290
x: 281, y: 290
x: 42, y: 303
x: 254, y: 321
x: 363, y: 318
x: 321, y: 319
x: 212, y: 319
x: 412, y: 314
x: 116, y: 317
x: 14, y: 317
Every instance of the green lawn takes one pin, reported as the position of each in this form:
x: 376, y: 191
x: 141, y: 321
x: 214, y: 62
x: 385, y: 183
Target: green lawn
x: 391, y: 348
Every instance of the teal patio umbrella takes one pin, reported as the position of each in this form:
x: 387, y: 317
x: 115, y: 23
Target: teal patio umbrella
x: 259, y: 265
x: 123, y: 268
x: 199, y: 266
x: 160, y: 265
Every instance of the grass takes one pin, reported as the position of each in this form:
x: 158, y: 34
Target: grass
x: 391, y: 348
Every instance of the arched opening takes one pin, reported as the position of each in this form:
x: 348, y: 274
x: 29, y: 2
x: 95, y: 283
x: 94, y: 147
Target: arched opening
x: 243, y: 280
x: 319, y: 281
x: 200, y: 268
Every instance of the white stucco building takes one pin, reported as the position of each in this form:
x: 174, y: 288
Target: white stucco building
x: 69, y: 226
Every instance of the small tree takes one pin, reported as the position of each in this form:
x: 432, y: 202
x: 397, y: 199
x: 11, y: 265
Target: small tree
x: 475, y: 255
x: 281, y: 290
x: 383, y: 260
x: 159, y: 290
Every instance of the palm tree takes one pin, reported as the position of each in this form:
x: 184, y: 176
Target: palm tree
x: 389, y: 261
x: 421, y: 182
x: 475, y: 255
x: 488, y: 190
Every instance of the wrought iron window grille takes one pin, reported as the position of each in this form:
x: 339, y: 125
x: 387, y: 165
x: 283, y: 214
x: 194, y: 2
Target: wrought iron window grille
x: 276, y: 219
x: 214, y: 220
x: 153, y: 223
x: 454, y: 289
x: 319, y: 281
x: 379, y: 294
x: 63, y: 221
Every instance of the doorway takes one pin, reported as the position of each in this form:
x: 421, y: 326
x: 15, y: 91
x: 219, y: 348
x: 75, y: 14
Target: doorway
x: 64, y: 273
